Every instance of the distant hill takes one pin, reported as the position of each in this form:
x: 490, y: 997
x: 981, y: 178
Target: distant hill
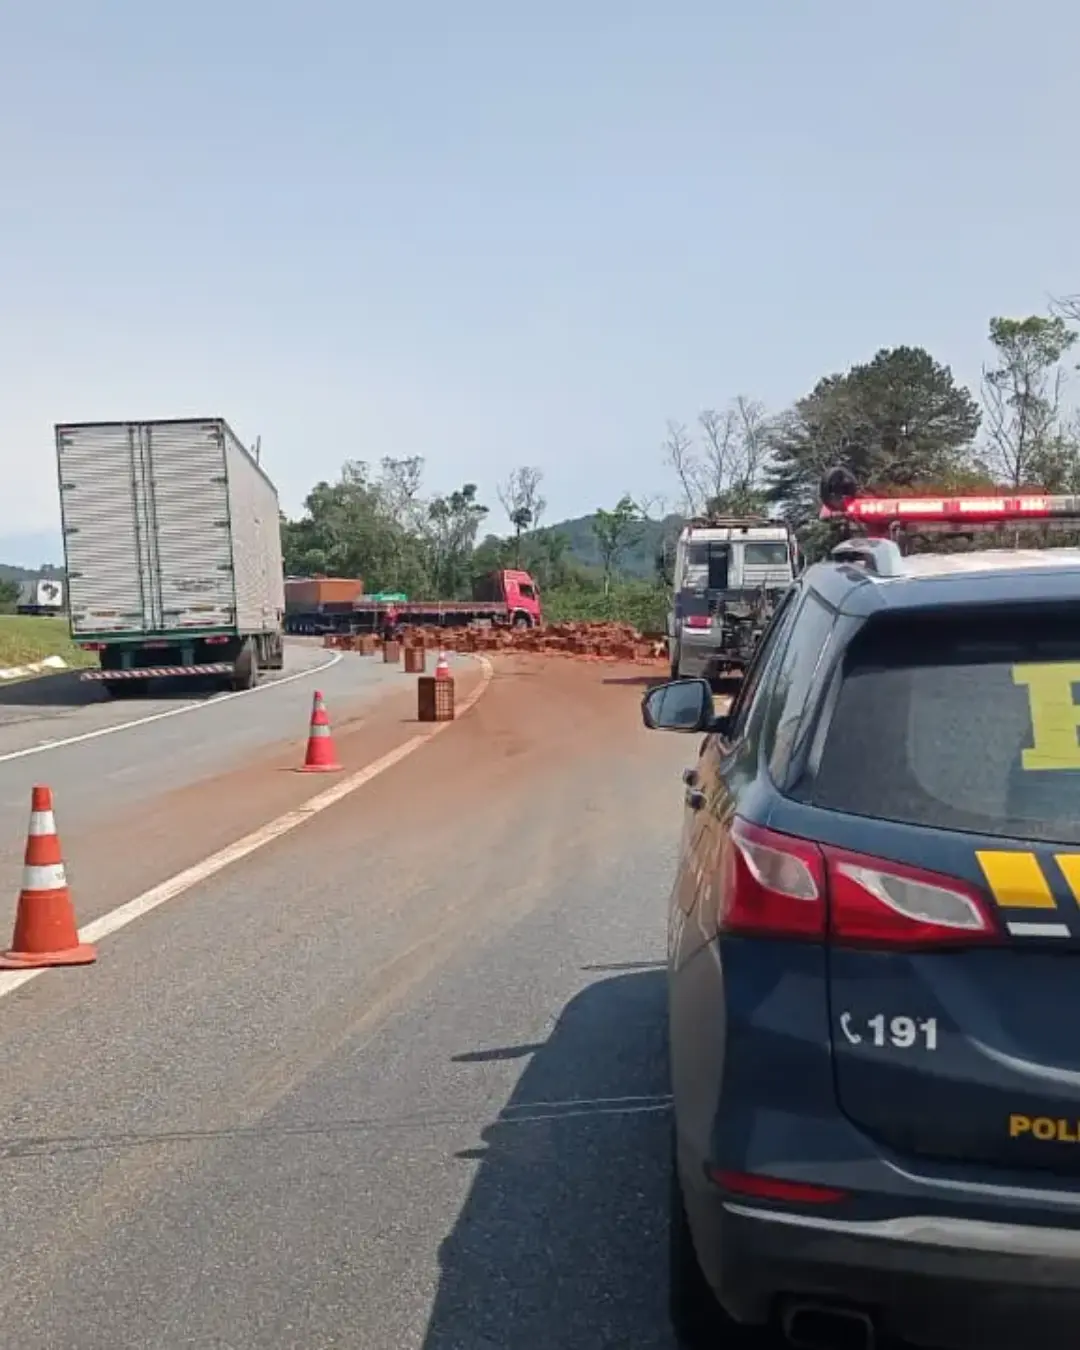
x: 638, y: 560
x: 8, y: 572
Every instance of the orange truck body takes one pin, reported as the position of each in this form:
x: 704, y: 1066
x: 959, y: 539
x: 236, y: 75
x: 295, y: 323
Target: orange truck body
x: 310, y: 592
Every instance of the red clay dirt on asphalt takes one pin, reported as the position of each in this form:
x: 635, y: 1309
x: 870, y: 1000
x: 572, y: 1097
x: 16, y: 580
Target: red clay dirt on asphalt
x: 112, y: 861
x: 537, y: 715
x: 583, y: 641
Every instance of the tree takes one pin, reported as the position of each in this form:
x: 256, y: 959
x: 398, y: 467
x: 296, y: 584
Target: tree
x: 615, y: 530
x: 681, y: 456
x: 899, y: 421
x: 399, y: 487
x: 452, y: 524
x: 1026, y: 439
x: 378, y: 528
x: 551, y: 566
x: 522, y: 502
x: 736, y: 450
x: 1066, y: 307
x: 9, y: 594
x: 344, y: 530
x: 721, y: 471
x: 349, y: 529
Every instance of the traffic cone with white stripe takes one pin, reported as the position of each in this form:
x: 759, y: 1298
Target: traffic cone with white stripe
x: 442, y: 667
x: 321, y: 756
x: 45, y: 931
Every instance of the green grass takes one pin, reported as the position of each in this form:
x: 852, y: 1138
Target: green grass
x: 25, y: 638
x: 640, y: 603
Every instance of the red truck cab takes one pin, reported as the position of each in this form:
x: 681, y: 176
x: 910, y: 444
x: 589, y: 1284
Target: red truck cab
x: 518, y: 591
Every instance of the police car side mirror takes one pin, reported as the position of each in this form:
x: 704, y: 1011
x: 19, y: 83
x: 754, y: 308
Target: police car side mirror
x: 681, y: 705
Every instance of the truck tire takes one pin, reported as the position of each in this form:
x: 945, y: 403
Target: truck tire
x: 246, y: 669
x: 521, y: 620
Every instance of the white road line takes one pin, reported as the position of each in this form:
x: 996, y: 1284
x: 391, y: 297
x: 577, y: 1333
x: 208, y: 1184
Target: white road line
x: 42, y: 746
x: 183, y: 881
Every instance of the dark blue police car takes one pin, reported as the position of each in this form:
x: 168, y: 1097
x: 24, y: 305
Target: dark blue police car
x: 874, y: 958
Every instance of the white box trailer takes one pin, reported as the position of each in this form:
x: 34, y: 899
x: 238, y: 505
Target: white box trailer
x: 172, y: 543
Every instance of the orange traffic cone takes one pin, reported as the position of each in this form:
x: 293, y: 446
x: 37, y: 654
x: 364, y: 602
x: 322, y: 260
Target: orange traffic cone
x: 321, y: 756
x: 442, y: 667
x: 45, y: 932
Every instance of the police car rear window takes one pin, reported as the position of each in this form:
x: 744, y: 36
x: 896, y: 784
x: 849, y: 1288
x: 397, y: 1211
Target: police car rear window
x: 963, y: 724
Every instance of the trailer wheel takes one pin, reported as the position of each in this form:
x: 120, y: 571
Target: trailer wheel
x: 246, y: 669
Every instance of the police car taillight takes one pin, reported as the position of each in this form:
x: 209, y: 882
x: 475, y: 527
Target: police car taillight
x: 776, y: 885
x: 888, y: 904
x: 771, y: 885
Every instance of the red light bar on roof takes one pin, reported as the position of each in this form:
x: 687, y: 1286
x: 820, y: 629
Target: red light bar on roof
x: 957, y: 510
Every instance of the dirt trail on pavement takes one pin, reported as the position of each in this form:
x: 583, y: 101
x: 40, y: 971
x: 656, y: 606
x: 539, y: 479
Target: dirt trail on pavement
x: 543, y: 709
x: 114, y: 861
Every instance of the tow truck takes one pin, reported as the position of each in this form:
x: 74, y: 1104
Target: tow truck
x: 729, y: 574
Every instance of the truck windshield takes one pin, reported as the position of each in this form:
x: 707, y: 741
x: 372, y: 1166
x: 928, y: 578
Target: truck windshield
x: 763, y: 554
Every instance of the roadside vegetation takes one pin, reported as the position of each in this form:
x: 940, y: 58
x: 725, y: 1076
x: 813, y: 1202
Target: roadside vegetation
x: 377, y: 523
x: 900, y: 422
x: 27, y: 638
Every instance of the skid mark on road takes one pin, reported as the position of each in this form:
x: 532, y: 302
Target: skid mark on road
x: 42, y: 746
x: 217, y: 862
x: 515, y: 1113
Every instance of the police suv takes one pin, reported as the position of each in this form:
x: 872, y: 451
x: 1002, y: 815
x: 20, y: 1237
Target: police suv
x: 874, y: 952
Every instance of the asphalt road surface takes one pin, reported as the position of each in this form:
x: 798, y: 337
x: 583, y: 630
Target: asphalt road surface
x: 394, y: 1080
x: 108, y: 762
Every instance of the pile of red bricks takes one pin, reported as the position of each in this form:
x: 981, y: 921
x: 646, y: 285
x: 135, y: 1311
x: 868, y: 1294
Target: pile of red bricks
x: 585, y: 641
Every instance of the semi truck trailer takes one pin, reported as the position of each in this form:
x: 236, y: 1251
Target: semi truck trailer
x: 172, y: 544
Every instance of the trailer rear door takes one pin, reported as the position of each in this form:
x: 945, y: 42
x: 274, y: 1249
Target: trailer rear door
x: 146, y: 527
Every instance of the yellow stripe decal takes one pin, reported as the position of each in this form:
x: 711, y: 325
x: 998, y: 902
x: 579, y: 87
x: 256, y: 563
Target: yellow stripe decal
x: 1070, y: 870
x: 1016, y: 880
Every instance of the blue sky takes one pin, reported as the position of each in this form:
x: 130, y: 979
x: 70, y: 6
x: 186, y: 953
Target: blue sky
x: 496, y: 233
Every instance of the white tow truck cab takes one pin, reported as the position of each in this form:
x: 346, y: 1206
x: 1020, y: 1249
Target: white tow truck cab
x: 729, y: 574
